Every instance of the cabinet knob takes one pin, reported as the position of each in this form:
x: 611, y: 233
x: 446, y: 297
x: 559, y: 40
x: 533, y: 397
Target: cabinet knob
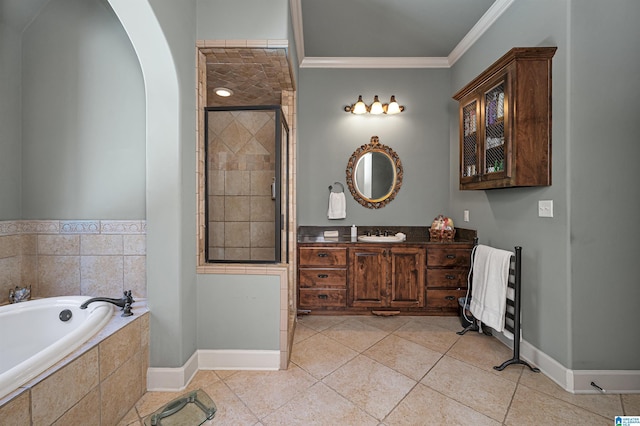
x: 323, y: 296
x: 450, y: 277
x: 322, y: 255
x: 323, y: 276
x: 451, y: 256
x: 449, y: 298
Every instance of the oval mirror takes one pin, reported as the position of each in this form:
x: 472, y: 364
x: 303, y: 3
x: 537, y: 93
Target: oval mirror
x: 374, y: 174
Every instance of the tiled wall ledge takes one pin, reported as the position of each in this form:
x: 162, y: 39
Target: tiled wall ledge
x: 73, y: 257
x: 95, y: 385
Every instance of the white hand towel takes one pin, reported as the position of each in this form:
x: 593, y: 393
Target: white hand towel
x: 337, y: 206
x: 489, y: 286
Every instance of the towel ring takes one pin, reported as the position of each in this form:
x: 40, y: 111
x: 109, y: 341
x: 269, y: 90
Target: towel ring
x: 341, y: 189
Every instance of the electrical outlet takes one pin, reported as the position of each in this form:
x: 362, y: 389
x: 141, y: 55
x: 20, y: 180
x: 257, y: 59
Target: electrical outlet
x: 466, y: 215
x: 545, y: 208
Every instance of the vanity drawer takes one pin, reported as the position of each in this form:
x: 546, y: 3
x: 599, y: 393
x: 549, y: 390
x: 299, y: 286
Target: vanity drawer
x: 323, y: 278
x: 323, y: 298
x: 456, y: 278
x: 315, y: 256
x: 444, y: 298
x: 448, y: 257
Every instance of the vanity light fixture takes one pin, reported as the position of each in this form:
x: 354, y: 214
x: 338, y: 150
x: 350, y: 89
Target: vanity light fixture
x: 376, y: 107
x: 223, y: 92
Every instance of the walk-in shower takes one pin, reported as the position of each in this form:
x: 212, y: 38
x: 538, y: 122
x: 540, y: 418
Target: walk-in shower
x: 246, y: 151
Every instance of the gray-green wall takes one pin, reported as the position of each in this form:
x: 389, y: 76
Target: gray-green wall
x: 604, y: 150
x: 579, y: 287
x: 10, y: 119
x: 82, y: 99
x: 505, y: 218
x: 327, y: 136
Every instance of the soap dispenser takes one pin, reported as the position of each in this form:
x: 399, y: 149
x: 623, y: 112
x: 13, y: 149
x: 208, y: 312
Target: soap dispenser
x: 354, y: 231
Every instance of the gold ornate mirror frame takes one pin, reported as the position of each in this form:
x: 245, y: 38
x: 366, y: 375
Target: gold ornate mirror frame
x: 374, y: 147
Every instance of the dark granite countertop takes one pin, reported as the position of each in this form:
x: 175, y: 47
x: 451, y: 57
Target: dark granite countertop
x: 415, y: 234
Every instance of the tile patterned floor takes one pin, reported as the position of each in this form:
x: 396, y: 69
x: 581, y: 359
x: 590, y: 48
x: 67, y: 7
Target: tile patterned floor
x: 368, y: 370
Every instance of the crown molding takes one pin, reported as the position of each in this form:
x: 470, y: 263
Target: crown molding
x: 483, y: 24
x: 374, y: 62
x: 298, y: 33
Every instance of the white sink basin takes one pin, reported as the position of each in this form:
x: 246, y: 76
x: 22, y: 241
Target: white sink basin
x: 382, y: 238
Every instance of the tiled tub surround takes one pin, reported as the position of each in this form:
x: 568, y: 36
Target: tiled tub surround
x: 95, y: 385
x: 73, y: 257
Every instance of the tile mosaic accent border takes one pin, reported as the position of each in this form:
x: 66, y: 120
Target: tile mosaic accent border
x: 20, y: 227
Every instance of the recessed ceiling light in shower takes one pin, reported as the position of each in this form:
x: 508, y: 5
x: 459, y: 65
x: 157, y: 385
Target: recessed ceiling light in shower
x: 223, y: 91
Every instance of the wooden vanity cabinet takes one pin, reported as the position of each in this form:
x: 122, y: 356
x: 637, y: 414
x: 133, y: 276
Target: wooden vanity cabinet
x: 386, y: 277
x: 322, y: 277
x: 505, y: 122
x: 357, y: 278
x: 447, y: 271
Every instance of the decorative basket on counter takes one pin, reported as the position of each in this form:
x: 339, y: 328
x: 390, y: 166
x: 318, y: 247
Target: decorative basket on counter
x: 442, y: 229
x: 442, y: 234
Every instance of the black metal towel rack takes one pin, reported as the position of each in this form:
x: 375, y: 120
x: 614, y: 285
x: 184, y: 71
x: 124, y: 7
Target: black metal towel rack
x: 512, y: 314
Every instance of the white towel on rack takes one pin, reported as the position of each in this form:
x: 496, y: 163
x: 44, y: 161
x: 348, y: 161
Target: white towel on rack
x: 337, y: 206
x: 489, y: 285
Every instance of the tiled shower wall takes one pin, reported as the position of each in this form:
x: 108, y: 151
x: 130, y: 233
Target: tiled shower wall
x: 67, y: 257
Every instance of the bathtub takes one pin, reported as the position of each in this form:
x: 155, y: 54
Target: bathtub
x: 35, y: 335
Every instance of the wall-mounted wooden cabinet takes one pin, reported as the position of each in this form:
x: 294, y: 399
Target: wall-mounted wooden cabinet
x: 505, y: 122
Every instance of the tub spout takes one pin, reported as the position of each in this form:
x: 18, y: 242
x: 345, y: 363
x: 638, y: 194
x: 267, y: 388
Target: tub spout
x: 124, y: 303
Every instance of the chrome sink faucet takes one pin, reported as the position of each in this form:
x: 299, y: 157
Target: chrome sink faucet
x: 125, y: 302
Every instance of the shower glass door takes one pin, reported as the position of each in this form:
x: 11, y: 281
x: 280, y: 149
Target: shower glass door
x: 246, y: 184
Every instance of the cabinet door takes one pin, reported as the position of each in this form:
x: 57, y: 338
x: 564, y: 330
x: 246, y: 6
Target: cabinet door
x: 367, y: 277
x: 407, y: 277
x: 494, y: 138
x: 469, y: 129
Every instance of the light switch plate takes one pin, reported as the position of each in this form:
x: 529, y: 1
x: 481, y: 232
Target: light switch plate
x: 466, y: 215
x: 545, y: 208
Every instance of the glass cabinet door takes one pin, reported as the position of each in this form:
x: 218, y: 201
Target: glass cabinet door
x: 470, y: 139
x: 494, y: 135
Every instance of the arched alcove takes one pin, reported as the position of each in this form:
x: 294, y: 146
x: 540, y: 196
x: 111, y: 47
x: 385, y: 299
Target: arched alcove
x: 163, y: 179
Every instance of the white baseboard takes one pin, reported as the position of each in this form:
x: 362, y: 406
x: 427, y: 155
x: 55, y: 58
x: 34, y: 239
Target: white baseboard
x: 611, y: 381
x: 238, y: 360
x: 172, y: 379
x: 176, y: 379
x: 577, y: 381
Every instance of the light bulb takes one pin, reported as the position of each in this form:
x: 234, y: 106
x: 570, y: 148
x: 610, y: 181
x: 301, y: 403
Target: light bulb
x: 223, y: 91
x: 393, y: 107
x: 376, y: 106
x: 359, y: 107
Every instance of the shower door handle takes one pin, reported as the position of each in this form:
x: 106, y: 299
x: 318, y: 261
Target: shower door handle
x: 273, y: 189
